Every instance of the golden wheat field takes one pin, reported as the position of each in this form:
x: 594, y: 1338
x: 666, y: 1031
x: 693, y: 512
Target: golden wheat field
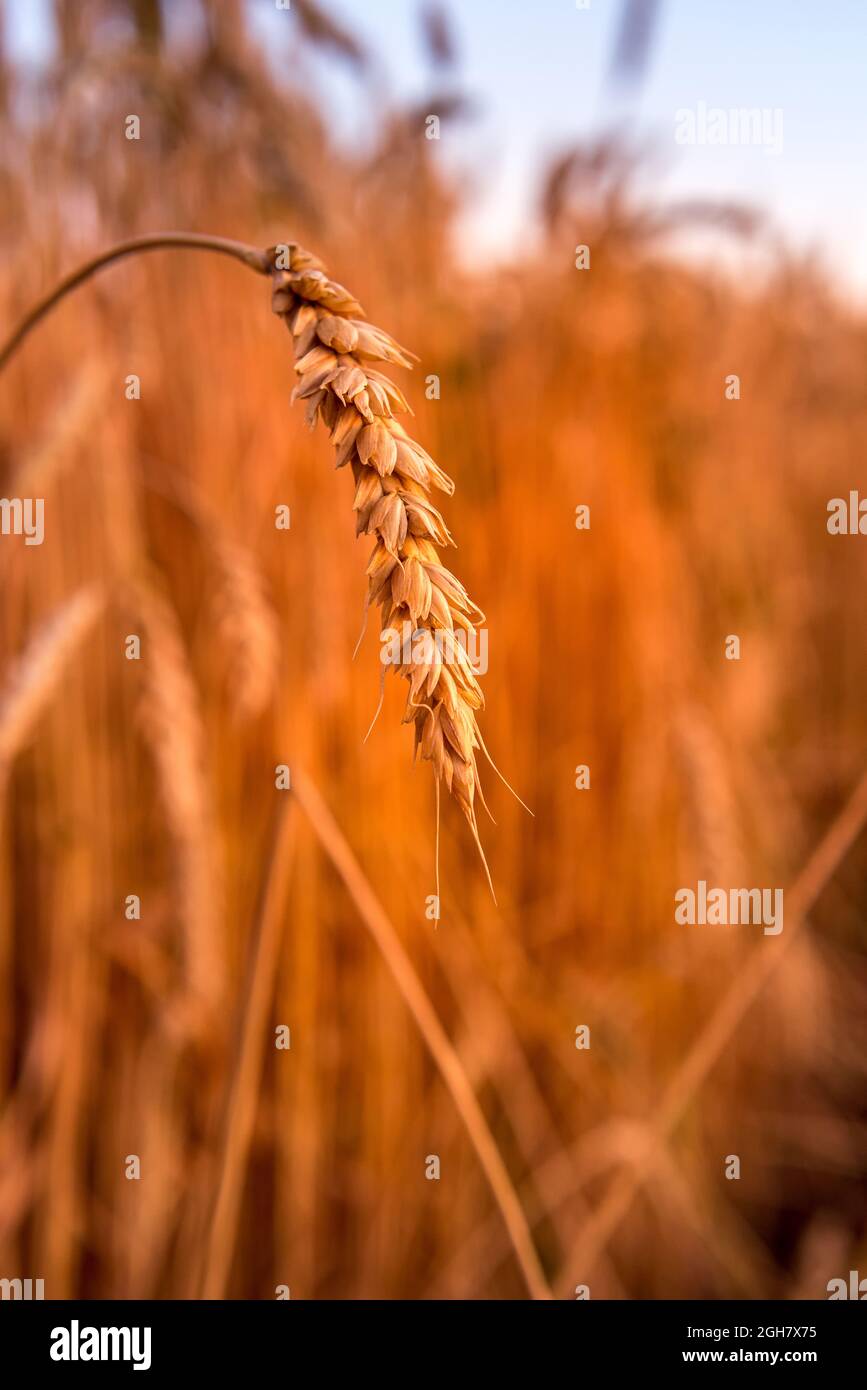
x: 239, y: 1051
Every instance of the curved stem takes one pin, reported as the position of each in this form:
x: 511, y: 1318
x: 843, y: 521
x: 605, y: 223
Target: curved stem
x: 251, y: 256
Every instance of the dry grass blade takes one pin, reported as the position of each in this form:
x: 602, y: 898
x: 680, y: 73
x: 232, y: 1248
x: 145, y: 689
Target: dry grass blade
x: 446, y: 1058
x: 322, y: 29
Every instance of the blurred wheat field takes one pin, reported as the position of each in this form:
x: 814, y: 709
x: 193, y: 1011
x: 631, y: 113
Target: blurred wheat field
x: 305, y: 1167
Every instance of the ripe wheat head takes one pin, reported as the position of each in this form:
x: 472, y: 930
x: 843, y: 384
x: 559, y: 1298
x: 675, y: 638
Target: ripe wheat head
x: 336, y: 357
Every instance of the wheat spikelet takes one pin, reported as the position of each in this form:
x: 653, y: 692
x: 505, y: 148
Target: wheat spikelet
x: 336, y: 354
x: 36, y: 674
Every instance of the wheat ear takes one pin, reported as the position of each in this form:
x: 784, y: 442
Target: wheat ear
x: 337, y: 357
x: 39, y: 670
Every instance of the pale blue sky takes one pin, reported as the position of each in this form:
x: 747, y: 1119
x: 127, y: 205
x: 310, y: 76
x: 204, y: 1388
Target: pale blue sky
x: 537, y: 69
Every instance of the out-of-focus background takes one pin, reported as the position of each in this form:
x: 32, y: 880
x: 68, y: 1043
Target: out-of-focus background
x: 124, y: 1036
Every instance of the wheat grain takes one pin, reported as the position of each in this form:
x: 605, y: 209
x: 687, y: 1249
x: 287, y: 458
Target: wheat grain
x: 335, y: 349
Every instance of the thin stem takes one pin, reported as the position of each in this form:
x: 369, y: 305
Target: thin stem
x: 452, y: 1070
x: 243, y: 1100
x: 250, y: 256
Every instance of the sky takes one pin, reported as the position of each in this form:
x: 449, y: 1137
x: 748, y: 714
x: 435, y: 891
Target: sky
x: 537, y: 71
